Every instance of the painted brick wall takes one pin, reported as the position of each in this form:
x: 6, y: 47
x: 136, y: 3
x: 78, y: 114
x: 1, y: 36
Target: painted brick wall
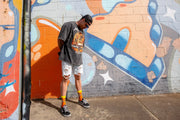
x: 132, y: 47
x: 10, y: 50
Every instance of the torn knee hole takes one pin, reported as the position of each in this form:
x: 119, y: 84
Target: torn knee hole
x: 66, y: 77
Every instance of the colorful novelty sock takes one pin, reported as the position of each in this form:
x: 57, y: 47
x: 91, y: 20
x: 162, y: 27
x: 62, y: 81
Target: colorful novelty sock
x: 80, y: 95
x: 63, y: 100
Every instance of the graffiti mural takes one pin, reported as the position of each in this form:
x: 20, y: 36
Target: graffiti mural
x: 44, y: 59
x: 128, y: 45
x: 132, y: 47
x: 10, y: 35
x: 169, y: 18
x: 128, y: 48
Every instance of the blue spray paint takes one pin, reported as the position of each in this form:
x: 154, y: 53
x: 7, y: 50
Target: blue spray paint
x: 2, y: 87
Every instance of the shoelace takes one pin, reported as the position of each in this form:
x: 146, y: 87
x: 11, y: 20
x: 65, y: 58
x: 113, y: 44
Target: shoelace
x: 84, y: 101
x: 66, y: 109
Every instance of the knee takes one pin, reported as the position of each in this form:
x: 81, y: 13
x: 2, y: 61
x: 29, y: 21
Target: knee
x: 66, y: 77
x: 78, y: 77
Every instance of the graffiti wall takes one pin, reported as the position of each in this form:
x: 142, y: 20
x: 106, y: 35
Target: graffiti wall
x: 132, y: 47
x: 10, y: 42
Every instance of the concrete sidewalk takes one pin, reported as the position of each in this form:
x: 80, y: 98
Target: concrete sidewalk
x: 136, y: 107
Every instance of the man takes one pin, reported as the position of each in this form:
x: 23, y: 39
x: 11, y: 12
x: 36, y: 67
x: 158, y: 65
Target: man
x: 71, y: 42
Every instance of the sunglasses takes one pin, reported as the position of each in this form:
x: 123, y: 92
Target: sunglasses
x: 87, y: 25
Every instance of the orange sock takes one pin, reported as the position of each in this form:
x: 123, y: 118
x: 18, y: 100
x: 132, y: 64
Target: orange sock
x: 80, y: 95
x: 63, y: 100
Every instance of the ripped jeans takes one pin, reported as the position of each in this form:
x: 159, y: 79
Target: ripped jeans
x: 67, y: 69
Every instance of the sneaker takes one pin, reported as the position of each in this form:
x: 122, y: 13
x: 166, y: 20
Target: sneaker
x: 84, y: 103
x: 64, y: 111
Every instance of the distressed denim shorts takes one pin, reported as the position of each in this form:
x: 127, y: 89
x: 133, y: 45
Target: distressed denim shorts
x: 67, y: 69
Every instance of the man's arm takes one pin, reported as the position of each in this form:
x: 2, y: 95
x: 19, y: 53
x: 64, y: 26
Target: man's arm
x: 60, y: 43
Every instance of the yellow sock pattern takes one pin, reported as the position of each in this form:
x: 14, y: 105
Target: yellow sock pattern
x: 80, y: 95
x: 63, y: 100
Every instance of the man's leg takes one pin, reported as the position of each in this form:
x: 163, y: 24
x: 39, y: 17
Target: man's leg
x: 78, y: 85
x: 64, y: 89
x: 78, y: 70
x: 66, y: 70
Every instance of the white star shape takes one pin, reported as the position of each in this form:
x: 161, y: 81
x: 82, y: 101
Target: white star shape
x: 106, y: 77
x: 9, y: 89
x: 170, y: 13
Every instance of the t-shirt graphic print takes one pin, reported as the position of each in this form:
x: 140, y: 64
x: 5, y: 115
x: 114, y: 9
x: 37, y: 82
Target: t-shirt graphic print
x: 78, y: 42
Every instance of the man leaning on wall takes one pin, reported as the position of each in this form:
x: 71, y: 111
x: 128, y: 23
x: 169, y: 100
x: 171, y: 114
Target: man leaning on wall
x: 71, y: 42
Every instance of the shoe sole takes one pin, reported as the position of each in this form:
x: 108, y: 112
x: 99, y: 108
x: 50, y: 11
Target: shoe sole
x: 84, y: 106
x: 67, y: 115
x: 64, y: 114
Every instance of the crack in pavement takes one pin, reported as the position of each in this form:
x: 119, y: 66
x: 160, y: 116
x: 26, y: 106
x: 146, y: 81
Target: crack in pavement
x: 145, y: 108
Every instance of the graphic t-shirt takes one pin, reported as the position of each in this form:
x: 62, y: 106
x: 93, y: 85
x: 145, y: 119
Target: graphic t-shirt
x: 73, y: 38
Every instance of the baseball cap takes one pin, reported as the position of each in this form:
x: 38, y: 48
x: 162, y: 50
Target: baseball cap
x: 88, y: 19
